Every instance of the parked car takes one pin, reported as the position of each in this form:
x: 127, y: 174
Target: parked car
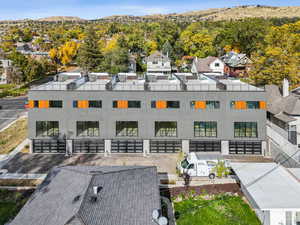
x: 200, y: 165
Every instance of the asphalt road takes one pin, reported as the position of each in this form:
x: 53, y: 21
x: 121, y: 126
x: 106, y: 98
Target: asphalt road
x: 11, y: 109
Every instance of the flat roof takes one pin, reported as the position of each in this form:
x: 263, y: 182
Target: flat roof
x: 270, y: 185
x: 150, y: 82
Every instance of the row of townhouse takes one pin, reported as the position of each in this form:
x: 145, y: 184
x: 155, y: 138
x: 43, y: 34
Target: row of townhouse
x: 155, y: 114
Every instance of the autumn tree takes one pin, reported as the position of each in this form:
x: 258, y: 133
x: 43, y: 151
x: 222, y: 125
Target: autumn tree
x: 280, y: 58
x: 198, y: 41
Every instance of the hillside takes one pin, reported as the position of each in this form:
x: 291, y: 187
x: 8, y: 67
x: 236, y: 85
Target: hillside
x: 217, y: 14
x: 60, y: 18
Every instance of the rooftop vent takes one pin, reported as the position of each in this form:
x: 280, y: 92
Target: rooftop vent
x: 76, y: 199
x: 97, y: 189
x: 93, y: 199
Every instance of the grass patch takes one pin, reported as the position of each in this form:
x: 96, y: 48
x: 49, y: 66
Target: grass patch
x: 20, y: 182
x: 214, y: 210
x: 10, y: 204
x: 13, y: 136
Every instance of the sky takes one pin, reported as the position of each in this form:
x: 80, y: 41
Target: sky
x: 93, y: 9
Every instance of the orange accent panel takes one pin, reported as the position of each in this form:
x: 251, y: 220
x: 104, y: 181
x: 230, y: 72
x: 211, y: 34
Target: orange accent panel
x: 43, y: 104
x: 30, y: 104
x: 262, y: 105
x: 122, y: 104
x: 240, y: 105
x: 200, y: 105
x: 161, y: 104
x: 83, y: 104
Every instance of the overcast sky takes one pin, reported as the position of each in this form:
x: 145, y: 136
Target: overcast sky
x: 92, y: 9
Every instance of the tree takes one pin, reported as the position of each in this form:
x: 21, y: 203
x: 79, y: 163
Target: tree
x: 245, y: 36
x: 89, y: 56
x: 197, y: 41
x: 115, y: 61
x: 280, y: 58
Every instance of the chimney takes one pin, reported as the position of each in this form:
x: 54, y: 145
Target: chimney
x: 285, y: 88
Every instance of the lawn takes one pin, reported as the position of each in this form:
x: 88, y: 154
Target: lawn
x: 10, y: 204
x: 216, y: 210
x: 13, y: 136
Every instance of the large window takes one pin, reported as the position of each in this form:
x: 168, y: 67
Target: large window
x: 127, y: 128
x: 166, y: 129
x: 205, y: 129
x: 248, y: 105
x: 47, y: 128
x: 165, y: 104
x: 88, y: 128
x: 87, y: 104
x: 123, y: 104
x: 95, y: 104
x: 205, y: 104
x: 252, y: 105
x: 245, y: 129
x: 55, y: 104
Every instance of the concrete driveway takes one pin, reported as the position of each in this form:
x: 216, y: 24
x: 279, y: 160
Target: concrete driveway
x: 42, y: 163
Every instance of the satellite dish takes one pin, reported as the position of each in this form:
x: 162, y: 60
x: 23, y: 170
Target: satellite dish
x: 163, y: 221
x: 155, y: 214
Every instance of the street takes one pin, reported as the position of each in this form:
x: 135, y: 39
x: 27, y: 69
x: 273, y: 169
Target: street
x: 11, y: 109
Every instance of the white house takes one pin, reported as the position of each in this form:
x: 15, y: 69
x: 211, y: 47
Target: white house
x: 5, y: 67
x: 210, y: 64
x: 158, y: 63
x: 283, y: 125
x: 272, y: 190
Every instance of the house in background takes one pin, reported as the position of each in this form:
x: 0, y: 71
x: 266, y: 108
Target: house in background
x: 5, y: 69
x: 283, y: 125
x: 91, y: 195
x: 272, y: 190
x: 158, y: 63
x: 131, y: 64
x: 236, y: 64
x: 208, y: 65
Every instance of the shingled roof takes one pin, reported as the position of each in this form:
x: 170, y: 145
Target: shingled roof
x: 158, y: 55
x: 128, y: 196
x: 283, y: 107
x: 203, y: 64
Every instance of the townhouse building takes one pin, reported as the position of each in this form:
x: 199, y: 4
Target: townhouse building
x: 156, y: 113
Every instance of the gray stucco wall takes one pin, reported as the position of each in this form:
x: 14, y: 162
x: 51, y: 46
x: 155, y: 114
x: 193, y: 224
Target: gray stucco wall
x: 146, y: 116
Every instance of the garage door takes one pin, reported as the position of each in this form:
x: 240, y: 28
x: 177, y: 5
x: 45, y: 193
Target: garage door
x: 49, y: 146
x: 165, y: 146
x: 245, y: 147
x: 205, y: 146
x: 127, y: 146
x: 88, y: 146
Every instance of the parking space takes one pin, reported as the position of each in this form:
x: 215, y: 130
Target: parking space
x: 42, y: 163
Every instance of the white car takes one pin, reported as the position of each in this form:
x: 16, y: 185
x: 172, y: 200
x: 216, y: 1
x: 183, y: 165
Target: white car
x: 199, y: 165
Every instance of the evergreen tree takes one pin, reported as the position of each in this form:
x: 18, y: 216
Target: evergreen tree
x: 89, y: 56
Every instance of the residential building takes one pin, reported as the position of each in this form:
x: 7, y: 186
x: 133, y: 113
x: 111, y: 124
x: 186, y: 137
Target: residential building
x: 158, y: 63
x: 5, y: 68
x: 155, y: 114
x: 91, y: 195
x: 283, y: 125
x: 132, y: 64
x: 236, y: 64
x: 272, y: 190
x: 210, y: 65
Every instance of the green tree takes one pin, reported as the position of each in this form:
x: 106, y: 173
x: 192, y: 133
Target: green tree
x: 89, y: 56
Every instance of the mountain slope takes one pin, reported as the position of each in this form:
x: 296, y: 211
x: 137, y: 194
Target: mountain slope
x: 61, y: 18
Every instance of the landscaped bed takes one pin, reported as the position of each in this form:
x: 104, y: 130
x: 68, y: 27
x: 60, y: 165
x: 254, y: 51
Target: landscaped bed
x: 11, y: 202
x: 214, y: 210
x: 11, y: 137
